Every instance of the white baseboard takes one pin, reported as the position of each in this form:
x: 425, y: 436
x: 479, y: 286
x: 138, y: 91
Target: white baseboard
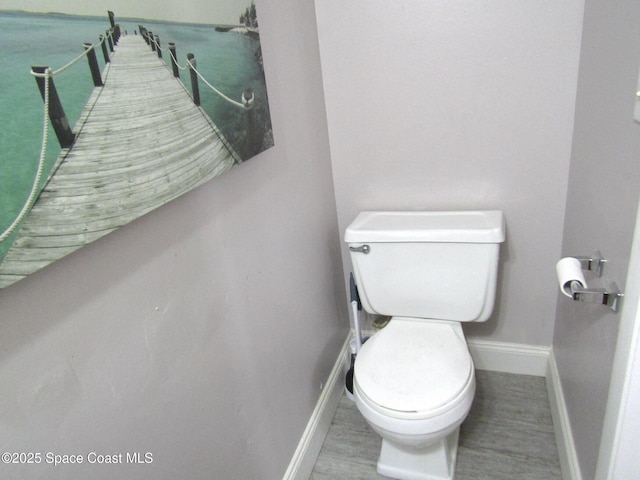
x: 564, y: 436
x: 304, y: 458
x: 509, y: 357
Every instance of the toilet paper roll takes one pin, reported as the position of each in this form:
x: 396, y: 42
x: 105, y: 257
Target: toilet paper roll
x: 569, y: 270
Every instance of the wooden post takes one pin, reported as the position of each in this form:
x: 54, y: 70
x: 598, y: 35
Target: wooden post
x: 56, y: 112
x: 157, y: 42
x: 112, y: 18
x: 191, y: 58
x: 151, y: 41
x: 253, y: 142
x: 118, y: 33
x: 144, y: 33
x: 93, y: 65
x: 110, y: 40
x: 174, y: 55
x: 105, y: 53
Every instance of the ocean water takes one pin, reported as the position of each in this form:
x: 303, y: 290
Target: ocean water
x: 229, y: 61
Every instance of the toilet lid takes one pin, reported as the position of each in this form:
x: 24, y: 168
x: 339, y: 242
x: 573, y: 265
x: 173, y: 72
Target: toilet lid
x: 413, y: 366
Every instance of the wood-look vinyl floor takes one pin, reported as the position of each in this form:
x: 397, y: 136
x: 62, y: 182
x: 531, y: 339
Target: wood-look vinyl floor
x: 508, y: 435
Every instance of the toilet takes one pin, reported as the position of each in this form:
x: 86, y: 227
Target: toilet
x: 414, y: 380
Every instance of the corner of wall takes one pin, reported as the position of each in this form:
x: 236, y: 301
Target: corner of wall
x: 306, y: 453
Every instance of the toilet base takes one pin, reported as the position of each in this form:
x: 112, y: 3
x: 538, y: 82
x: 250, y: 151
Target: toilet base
x: 435, y: 462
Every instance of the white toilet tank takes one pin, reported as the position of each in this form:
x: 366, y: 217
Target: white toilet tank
x: 436, y: 265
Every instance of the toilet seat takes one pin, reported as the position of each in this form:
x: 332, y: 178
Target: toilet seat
x: 415, y: 368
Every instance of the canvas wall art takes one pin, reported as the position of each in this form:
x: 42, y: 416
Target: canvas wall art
x: 112, y: 109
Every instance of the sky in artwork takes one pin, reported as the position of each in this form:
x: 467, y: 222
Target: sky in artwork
x: 224, y: 12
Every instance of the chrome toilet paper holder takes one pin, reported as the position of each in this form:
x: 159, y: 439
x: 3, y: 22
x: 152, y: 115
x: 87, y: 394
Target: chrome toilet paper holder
x: 611, y: 297
x: 594, y: 263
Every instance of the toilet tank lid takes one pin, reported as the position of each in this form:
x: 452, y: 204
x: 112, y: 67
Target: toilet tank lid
x: 482, y: 226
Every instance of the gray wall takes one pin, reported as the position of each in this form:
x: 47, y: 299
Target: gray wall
x: 464, y: 105
x: 201, y: 332
x: 601, y: 210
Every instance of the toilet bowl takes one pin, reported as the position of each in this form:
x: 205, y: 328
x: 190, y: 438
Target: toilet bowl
x: 414, y: 383
x: 414, y: 380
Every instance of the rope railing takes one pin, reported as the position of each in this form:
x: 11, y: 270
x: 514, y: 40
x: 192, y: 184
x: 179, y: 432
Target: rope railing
x: 53, y: 73
x: 191, y: 65
x: 44, y: 77
x: 175, y: 60
x: 247, y: 106
x: 33, y: 194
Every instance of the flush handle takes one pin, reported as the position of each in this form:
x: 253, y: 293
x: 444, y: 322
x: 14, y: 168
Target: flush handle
x: 363, y: 249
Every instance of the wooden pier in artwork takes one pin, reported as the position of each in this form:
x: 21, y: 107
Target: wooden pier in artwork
x: 139, y: 143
